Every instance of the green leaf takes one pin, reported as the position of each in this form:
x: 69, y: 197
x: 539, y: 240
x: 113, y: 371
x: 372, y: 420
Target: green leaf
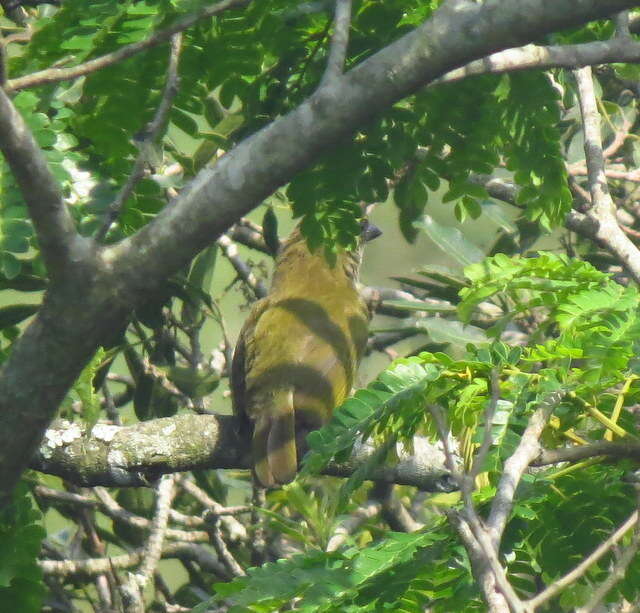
x: 451, y: 241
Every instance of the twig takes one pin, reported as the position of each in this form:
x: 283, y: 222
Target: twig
x: 112, y: 509
x: 61, y: 245
x: 98, y: 566
x: 235, y: 529
x: 151, y: 133
x: 230, y: 251
x: 368, y: 510
x: 618, y: 449
x: 616, y: 574
x: 133, y: 589
x: 224, y: 555
x: 557, y: 586
x: 249, y: 236
x: 54, y: 75
x: 339, y: 42
x: 488, y: 426
x: 602, y: 207
x: 514, y: 467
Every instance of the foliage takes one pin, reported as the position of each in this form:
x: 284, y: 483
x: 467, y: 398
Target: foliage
x: 21, y: 535
x: 503, y: 296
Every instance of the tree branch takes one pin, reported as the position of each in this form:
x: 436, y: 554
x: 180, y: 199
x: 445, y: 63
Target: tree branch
x: 602, y: 208
x: 339, y: 42
x: 618, y: 449
x: 541, y: 57
x: 137, y: 455
x: 52, y: 221
x: 514, y: 467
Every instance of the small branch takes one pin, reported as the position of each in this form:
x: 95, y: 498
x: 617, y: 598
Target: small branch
x: 557, y: 586
x: 224, y: 555
x: 488, y: 426
x: 368, y: 510
x: 249, y: 237
x: 54, y: 75
x: 543, y: 57
x: 236, y: 530
x: 616, y: 574
x: 618, y: 449
x: 602, y: 207
x: 98, y: 566
x: 482, y: 572
x: 153, y: 549
x: 622, y: 25
x: 230, y: 251
x: 133, y: 589
x: 514, y: 467
x: 151, y: 134
x: 339, y: 42
x: 59, y: 241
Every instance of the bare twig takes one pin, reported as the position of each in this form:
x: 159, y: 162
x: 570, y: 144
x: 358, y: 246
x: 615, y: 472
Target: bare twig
x: 514, y: 467
x: 482, y: 571
x: 98, y: 566
x: 153, y: 549
x: 54, y: 75
x: 224, y: 555
x: 249, y: 236
x: 230, y: 251
x: 151, y: 133
x: 618, y: 449
x: 235, y: 529
x: 557, y: 586
x: 339, y: 42
x: 60, y: 243
x: 602, y: 207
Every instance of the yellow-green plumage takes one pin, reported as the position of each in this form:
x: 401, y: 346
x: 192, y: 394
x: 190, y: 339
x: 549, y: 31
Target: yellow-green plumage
x: 297, y: 354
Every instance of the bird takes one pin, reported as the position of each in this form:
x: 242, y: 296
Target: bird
x: 298, y: 352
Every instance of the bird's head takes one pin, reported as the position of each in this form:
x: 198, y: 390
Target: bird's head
x: 294, y: 251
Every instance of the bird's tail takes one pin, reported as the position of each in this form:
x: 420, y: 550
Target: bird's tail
x: 275, y: 459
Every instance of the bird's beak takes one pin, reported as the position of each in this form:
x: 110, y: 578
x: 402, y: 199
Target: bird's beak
x: 370, y: 231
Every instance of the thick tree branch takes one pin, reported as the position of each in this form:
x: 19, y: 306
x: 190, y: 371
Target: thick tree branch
x: 137, y: 455
x: 54, y: 75
x: 54, y: 226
